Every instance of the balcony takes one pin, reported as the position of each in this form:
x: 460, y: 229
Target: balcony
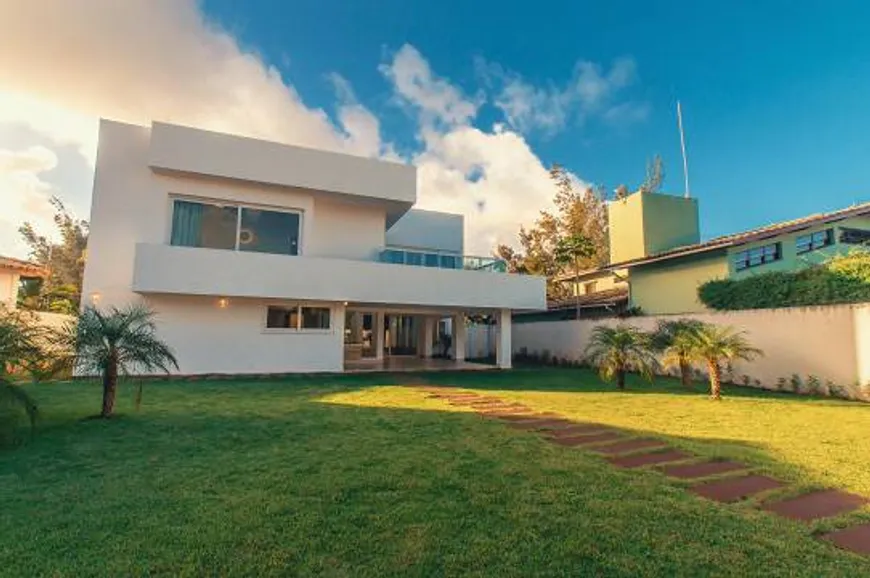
x: 413, y: 258
x: 166, y: 269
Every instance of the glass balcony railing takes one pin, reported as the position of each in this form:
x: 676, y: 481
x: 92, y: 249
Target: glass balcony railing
x: 441, y: 260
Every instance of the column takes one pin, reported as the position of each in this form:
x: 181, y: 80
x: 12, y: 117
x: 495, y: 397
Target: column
x: 338, y: 314
x: 356, y: 327
x: 503, y: 339
x: 427, y: 335
x: 459, y: 332
x: 378, y: 331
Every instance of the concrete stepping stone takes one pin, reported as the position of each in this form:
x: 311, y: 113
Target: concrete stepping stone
x: 587, y: 439
x: 855, y: 539
x: 702, y: 470
x: 642, y: 460
x: 580, y: 429
x: 541, y: 424
x: 529, y: 418
x: 628, y: 446
x: 734, y: 489
x: 815, y: 505
x: 515, y: 409
x: 472, y: 401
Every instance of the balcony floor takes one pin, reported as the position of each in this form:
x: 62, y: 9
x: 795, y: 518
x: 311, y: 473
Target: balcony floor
x: 410, y: 363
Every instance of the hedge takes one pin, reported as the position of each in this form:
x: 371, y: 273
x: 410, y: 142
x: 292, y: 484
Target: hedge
x: 842, y: 279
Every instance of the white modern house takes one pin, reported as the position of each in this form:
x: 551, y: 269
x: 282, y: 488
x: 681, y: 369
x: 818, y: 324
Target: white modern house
x: 260, y: 257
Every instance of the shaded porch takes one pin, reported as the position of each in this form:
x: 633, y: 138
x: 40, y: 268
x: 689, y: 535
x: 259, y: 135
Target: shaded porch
x: 406, y: 363
x: 419, y: 339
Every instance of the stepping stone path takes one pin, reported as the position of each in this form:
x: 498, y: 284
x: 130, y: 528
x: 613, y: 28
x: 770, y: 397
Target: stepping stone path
x: 734, y: 489
x: 702, y: 470
x: 613, y: 443
x: 817, y: 505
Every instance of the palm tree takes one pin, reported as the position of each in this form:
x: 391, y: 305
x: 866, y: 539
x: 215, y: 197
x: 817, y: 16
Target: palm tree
x: 115, y: 342
x: 616, y: 350
x: 714, y: 344
x: 676, y: 341
x: 19, y: 352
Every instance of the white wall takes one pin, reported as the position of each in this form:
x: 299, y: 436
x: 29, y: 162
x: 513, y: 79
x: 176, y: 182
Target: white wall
x: 210, y: 339
x: 131, y: 204
x: 190, y: 271
x: 195, y: 151
x: 8, y: 288
x: 831, y: 343
x: 420, y: 229
x: 347, y: 231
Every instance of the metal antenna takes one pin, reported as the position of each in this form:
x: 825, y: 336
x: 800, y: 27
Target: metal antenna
x: 683, y: 147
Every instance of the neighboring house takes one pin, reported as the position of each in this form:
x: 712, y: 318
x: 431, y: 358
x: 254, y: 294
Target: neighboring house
x: 12, y: 271
x: 260, y: 257
x: 656, y: 239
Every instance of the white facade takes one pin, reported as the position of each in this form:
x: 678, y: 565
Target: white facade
x: 345, y: 215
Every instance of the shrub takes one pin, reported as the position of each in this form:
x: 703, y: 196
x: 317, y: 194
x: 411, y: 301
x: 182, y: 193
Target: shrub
x: 795, y: 382
x: 841, y: 279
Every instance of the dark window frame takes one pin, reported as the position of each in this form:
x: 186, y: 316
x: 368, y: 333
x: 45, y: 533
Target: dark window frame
x: 814, y: 241
x: 757, y: 256
x: 297, y: 313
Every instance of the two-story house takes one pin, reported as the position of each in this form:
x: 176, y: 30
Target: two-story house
x: 658, y: 261
x: 260, y: 257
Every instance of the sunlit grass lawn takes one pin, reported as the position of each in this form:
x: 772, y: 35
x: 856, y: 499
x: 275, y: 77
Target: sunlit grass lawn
x: 352, y: 476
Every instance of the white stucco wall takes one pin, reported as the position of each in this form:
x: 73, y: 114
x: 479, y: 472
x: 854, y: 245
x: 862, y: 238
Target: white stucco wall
x: 233, y: 339
x: 420, y: 229
x: 346, y: 231
x: 831, y: 343
x: 8, y: 289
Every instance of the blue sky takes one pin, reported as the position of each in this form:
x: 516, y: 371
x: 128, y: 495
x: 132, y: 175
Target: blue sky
x: 774, y: 94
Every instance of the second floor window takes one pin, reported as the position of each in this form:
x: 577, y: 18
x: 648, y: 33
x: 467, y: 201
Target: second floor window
x: 757, y: 256
x: 213, y: 226
x: 813, y: 241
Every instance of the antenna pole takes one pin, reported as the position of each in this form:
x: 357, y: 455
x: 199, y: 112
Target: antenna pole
x: 683, y: 147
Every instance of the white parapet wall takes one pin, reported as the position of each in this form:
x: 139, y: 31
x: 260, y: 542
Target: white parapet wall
x: 831, y: 343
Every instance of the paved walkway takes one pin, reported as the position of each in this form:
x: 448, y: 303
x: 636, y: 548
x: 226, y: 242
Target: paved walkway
x: 624, y: 450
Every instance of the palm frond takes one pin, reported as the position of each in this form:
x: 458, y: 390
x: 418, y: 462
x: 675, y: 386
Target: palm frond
x: 620, y: 348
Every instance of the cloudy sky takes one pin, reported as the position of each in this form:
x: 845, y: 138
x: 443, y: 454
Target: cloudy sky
x: 480, y: 97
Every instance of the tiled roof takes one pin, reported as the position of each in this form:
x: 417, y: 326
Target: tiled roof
x: 24, y: 267
x: 598, y: 299
x: 758, y: 234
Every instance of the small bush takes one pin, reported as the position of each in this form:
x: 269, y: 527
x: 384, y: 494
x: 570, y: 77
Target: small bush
x: 814, y: 385
x: 795, y: 383
x: 781, y: 384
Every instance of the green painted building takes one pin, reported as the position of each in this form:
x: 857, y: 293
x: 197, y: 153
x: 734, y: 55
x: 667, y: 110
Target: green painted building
x: 656, y: 239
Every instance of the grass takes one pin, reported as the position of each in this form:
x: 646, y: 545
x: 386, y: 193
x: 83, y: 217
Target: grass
x: 353, y: 476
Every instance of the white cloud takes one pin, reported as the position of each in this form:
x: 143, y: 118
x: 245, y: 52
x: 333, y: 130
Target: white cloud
x: 548, y: 108
x: 434, y: 97
x: 492, y: 177
x: 25, y: 195
x: 143, y: 60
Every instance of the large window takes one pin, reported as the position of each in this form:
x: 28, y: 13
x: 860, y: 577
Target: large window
x: 813, y: 241
x: 854, y: 236
x: 757, y: 256
x: 297, y: 317
x: 213, y: 226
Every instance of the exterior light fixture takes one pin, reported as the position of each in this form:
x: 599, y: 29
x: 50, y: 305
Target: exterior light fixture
x: 95, y: 298
x: 223, y: 303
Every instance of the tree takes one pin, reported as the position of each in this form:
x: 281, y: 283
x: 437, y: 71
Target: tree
x: 19, y: 352
x: 113, y: 343
x: 676, y: 341
x: 714, y: 344
x: 655, y: 175
x: 578, y: 213
x: 65, y: 261
x: 571, y: 251
x: 617, y: 350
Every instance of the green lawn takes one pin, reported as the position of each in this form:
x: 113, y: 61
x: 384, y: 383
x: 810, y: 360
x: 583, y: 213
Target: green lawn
x: 353, y: 476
